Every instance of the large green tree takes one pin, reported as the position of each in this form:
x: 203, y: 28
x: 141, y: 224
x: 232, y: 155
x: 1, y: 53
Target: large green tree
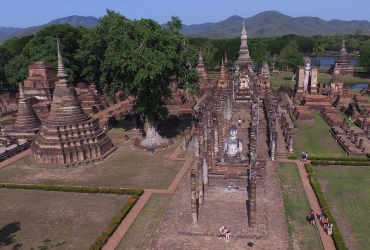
x: 365, y: 57
x: 290, y: 57
x: 42, y: 47
x: 139, y: 57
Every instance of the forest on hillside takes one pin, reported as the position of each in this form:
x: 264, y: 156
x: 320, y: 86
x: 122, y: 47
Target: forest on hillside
x: 16, y: 54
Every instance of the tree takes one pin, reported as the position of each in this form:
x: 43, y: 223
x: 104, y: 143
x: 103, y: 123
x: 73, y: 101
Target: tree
x: 257, y: 51
x: 141, y: 58
x: 365, y: 57
x: 17, y: 69
x: 290, y: 57
x: 318, y: 49
x: 5, y: 55
x: 42, y: 47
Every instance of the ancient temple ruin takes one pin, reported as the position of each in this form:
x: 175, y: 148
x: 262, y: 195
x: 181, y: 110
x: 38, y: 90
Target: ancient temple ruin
x: 234, y: 117
x: 342, y: 62
x: 27, y: 124
x: 40, y: 82
x: 69, y: 135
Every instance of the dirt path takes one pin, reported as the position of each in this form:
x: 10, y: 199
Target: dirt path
x: 326, y: 240
x: 115, y: 239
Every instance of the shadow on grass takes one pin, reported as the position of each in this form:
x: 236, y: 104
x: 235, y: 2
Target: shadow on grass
x: 7, y: 233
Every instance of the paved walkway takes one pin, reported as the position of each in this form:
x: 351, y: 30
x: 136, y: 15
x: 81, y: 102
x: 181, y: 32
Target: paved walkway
x: 326, y: 240
x: 115, y: 239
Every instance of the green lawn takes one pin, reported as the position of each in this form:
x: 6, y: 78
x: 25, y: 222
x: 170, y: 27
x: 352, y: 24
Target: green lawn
x: 127, y: 167
x: 322, y: 77
x: 301, y: 233
x: 316, y: 139
x: 145, y: 225
x: 347, y: 190
x: 34, y: 219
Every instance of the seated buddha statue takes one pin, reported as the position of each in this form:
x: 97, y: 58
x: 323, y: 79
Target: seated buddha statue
x: 233, y: 147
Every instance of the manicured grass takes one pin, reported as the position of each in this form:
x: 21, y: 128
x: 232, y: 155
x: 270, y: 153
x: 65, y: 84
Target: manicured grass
x: 316, y: 139
x: 145, y: 225
x: 34, y: 219
x: 322, y: 77
x: 347, y: 190
x: 127, y: 167
x: 301, y: 233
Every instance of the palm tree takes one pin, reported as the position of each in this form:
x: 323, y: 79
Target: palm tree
x: 318, y: 49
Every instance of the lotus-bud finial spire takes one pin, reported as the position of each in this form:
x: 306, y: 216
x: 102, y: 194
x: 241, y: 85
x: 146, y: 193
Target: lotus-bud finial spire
x: 61, y: 71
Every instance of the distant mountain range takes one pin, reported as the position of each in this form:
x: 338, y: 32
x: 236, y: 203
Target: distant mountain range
x: 264, y: 24
x: 6, y: 33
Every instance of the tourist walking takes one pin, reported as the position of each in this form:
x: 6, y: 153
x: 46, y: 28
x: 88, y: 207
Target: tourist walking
x: 312, y: 217
x: 227, y: 235
x: 222, y: 232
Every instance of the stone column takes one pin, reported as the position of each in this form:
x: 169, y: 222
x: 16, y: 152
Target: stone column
x: 361, y: 143
x: 356, y: 139
x: 344, y: 123
x: 219, y: 128
x: 205, y: 171
x: 290, y: 145
x: 216, y: 143
x: 252, y: 200
x: 364, y: 124
x: 192, y: 127
x: 200, y: 183
x: 274, y: 146
x: 183, y: 141
x: 194, y: 209
x: 201, y: 133
x: 351, y: 135
x: 196, y: 144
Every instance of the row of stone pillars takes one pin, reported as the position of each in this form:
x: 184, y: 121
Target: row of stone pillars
x: 213, y: 120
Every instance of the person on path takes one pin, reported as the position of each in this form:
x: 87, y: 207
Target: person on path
x: 322, y: 215
x: 312, y: 217
x: 326, y: 222
x: 227, y: 234
x: 222, y: 232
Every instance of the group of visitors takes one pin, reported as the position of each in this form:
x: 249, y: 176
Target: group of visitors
x: 324, y: 220
x: 224, y: 232
x: 304, y: 156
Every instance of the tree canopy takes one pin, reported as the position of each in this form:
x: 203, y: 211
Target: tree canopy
x: 139, y: 57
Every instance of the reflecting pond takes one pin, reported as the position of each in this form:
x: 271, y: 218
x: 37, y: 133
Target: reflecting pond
x: 326, y: 61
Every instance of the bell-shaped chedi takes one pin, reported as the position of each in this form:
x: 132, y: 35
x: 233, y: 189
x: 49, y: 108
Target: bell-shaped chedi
x: 342, y: 63
x: 69, y: 135
x: 26, y: 124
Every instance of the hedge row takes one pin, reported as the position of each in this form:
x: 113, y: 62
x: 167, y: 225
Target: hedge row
x: 346, y: 163
x: 348, y: 158
x: 79, y: 189
x: 337, y: 237
x: 116, y: 221
x: 292, y: 157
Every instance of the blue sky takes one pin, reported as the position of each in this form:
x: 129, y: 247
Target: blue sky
x: 26, y: 13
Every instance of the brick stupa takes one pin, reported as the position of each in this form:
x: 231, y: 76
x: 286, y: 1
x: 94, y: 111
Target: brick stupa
x: 26, y: 124
x: 69, y: 135
x: 342, y: 63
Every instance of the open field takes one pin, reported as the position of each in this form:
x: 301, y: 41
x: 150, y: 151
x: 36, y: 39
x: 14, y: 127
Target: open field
x: 315, y: 139
x: 127, y: 167
x: 32, y: 219
x: 301, y: 233
x: 347, y: 190
x: 145, y: 225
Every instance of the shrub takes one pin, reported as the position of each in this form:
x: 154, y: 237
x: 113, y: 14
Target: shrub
x: 292, y: 156
x: 116, y: 221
